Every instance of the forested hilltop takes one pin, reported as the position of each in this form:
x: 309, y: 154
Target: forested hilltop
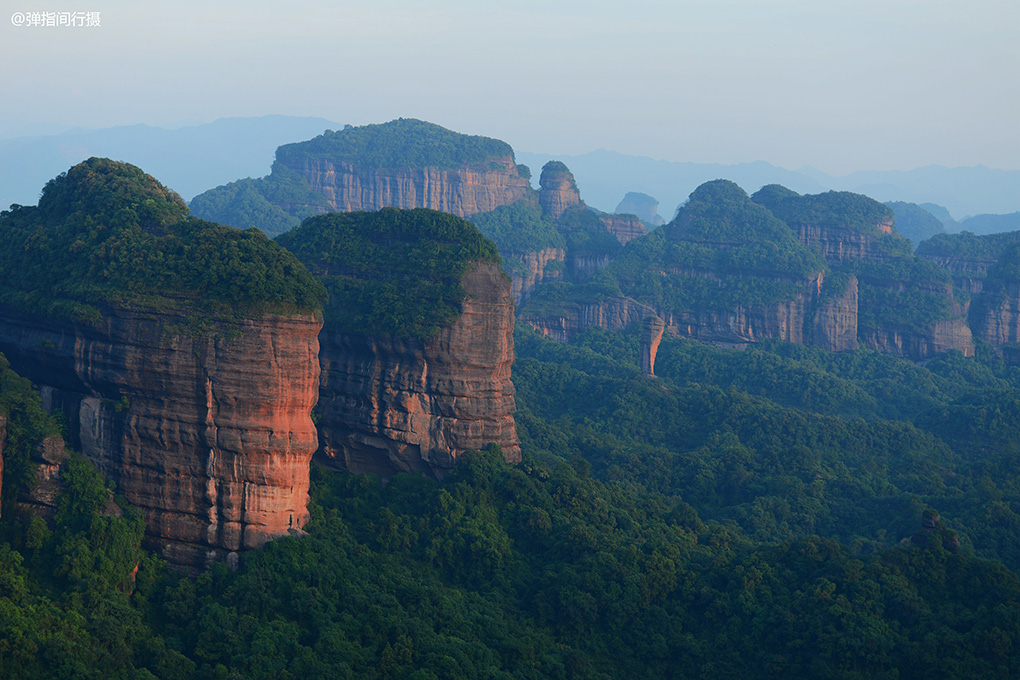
x: 105, y: 232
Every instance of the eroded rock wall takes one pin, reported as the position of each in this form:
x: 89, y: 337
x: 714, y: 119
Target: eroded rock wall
x: 624, y: 227
x: 834, y: 326
x: 463, y: 191
x: 392, y: 405
x: 208, y: 433
x: 995, y: 316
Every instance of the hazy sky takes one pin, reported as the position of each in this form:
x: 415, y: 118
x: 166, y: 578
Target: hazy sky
x: 840, y: 85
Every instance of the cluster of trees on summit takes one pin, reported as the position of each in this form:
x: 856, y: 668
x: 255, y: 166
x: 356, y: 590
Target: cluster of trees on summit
x: 778, y: 512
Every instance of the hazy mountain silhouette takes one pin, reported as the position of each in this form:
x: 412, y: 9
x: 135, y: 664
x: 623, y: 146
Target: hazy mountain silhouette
x: 189, y: 159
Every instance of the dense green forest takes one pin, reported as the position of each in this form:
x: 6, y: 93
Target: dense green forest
x: 914, y: 222
x: 256, y: 202
x: 745, y: 514
x: 966, y: 245
x: 390, y: 271
x: 401, y: 143
x: 519, y: 228
x: 105, y: 232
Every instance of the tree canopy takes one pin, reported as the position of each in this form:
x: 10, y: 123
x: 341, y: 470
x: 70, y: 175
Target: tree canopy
x: 105, y: 232
x: 391, y: 271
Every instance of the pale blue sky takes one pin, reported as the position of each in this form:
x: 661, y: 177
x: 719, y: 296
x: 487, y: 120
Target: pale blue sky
x: 840, y: 85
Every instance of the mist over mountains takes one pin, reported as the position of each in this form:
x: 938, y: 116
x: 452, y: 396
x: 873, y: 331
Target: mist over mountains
x: 195, y: 158
x: 607, y: 175
x: 191, y: 159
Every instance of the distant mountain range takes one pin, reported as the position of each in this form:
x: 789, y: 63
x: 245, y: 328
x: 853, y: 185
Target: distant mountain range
x: 195, y: 158
x: 189, y: 160
x: 604, y: 177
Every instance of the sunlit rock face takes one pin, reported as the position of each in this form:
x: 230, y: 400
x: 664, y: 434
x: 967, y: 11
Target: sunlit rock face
x: 209, y: 434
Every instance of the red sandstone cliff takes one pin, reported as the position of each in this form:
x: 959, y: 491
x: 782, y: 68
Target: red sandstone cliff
x: 834, y: 326
x: 462, y: 191
x: 839, y: 245
x: 390, y: 404
x: 209, y: 435
x: 558, y: 190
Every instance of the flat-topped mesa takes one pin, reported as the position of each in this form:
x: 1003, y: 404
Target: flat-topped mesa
x: 418, y: 342
x: 407, y: 164
x: 558, y: 190
x: 182, y: 354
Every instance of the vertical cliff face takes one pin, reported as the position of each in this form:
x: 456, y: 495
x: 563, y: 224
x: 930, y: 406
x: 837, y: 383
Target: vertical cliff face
x: 418, y: 341
x: 624, y: 227
x: 953, y: 334
x: 842, y: 244
x: 392, y: 404
x: 209, y: 435
x: 834, y: 326
x: 558, y: 190
x: 995, y: 317
x: 461, y: 191
x: 533, y: 268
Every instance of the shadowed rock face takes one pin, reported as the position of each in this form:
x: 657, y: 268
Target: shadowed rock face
x: 209, y: 435
x: 624, y: 227
x: 995, y: 317
x: 462, y: 191
x: 835, y: 324
x: 391, y: 404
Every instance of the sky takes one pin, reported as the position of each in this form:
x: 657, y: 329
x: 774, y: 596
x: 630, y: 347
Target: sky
x: 839, y: 85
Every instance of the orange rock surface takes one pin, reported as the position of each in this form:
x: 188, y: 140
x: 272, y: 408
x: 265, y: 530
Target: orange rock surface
x: 209, y: 434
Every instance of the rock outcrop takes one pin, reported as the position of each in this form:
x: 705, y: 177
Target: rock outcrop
x: 840, y: 245
x: 392, y: 404
x: 651, y: 336
x: 995, y: 317
x: 209, y: 434
x: 461, y: 191
x: 558, y: 190
x: 48, y: 458
x: 531, y: 269
x: 624, y: 227
x: 834, y: 326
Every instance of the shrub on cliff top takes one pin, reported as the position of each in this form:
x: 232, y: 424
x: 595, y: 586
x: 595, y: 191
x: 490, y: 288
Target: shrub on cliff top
x: 105, y: 232
x: 394, y: 271
x: 519, y: 228
x: 401, y: 143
